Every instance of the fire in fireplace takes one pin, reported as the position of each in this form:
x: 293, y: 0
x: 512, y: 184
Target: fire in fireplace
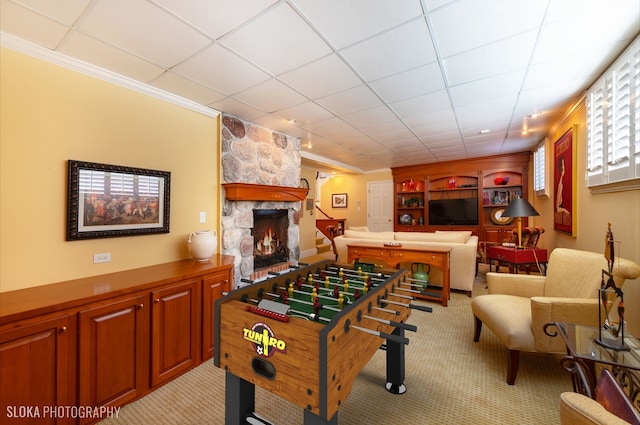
x: 270, y: 229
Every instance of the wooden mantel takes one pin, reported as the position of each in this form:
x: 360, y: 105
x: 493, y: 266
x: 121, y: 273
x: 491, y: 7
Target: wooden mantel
x: 259, y: 192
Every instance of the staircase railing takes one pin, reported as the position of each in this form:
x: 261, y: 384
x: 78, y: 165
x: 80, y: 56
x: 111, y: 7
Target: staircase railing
x: 330, y: 227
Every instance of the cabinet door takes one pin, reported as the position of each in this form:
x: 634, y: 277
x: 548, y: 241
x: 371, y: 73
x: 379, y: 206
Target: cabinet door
x: 212, y: 288
x: 497, y: 235
x: 37, y: 365
x: 114, y: 352
x: 175, y: 330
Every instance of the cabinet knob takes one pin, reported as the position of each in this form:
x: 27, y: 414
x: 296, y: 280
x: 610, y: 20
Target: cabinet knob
x: 63, y: 329
x: 140, y: 306
x: 157, y: 300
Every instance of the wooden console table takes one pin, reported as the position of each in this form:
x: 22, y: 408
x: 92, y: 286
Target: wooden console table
x: 391, y: 256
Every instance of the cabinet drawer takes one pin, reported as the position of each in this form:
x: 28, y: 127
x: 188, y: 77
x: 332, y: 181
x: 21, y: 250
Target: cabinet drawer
x: 438, y: 260
x: 369, y: 252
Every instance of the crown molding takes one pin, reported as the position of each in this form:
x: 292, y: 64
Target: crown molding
x: 21, y: 46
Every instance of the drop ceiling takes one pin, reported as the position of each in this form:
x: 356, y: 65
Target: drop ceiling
x: 364, y: 84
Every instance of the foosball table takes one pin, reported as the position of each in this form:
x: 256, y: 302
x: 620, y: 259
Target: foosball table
x: 306, y: 334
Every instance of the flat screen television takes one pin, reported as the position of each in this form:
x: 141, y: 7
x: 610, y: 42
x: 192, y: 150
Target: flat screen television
x: 453, y: 212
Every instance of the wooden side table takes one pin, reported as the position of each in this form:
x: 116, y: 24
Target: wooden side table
x: 517, y: 257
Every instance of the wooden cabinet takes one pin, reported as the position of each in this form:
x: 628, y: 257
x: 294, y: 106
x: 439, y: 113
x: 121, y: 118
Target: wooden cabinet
x: 410, y: 205
x: 213, y: 287
x: 175, y: 330
x: 113, y: 351
x: 487, y: 183
x: 37, y: 367
x: 109, y: 339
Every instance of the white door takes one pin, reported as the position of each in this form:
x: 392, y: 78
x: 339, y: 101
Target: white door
x: 380, y: 206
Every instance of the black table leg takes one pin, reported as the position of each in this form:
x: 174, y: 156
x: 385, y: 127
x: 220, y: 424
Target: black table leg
x: 395, y: 364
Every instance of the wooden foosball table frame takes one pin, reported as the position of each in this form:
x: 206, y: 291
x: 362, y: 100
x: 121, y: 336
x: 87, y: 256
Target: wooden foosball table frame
x: 311, y: 364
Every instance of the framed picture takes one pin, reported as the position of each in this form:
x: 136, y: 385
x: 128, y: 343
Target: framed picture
x: 310, y: 205
x: 339, y: 200
x: 105, y: 201
x: 564, y: 182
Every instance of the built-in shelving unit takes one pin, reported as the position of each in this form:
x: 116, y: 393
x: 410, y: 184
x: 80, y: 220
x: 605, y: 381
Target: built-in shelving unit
x: 486, y: 184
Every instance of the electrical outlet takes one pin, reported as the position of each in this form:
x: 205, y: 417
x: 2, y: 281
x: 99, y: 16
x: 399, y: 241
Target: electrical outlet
x: 203, y: 217
x: 101, y: 258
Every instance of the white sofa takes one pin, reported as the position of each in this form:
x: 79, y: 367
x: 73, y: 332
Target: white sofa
x: 462, y: 267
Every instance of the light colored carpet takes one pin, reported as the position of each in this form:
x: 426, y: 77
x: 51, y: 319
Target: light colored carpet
x: 449, y: 378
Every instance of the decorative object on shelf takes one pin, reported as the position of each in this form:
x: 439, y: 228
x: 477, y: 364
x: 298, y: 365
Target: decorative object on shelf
x: 498, y: 218
x: 609, y: 289
x: 501, y: 180
x: 102, y: 202
x: 412, y: 185
x: 304, y: 183
x: 452, y: 183
x: 412, y: 202
x: 519, y: 208
x: 405, y: 219
x: 202, y: 244
x: 339, y: 200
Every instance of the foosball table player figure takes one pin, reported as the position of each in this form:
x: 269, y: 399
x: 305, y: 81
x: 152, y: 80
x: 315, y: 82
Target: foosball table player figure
x: 306, y: 334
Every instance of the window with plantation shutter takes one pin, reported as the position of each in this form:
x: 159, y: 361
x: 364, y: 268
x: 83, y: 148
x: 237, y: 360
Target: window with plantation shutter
x: 539, y: 171
x: 613, y: 122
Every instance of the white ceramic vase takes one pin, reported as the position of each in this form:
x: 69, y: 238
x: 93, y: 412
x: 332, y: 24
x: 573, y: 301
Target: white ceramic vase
x: 202, y: 244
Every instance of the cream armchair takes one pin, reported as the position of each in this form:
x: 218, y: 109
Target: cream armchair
x: 518, y: 306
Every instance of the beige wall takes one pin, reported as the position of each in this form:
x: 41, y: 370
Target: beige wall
x: 355, y: 186
x: 50, y: 114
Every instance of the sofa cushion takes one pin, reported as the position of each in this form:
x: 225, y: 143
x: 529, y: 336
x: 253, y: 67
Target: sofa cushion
x: 355, y: 234
x: 359, y: 228
x: 430, y: 237
x: 464, y: 233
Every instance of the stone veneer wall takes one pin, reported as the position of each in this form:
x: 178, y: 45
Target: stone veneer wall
x: 254, y: 154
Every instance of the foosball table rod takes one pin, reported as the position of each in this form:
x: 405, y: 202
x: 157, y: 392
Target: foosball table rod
x: 389, y: 337
x: 413, y: 306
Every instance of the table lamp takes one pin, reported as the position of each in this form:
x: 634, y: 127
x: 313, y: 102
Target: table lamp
x: 518, y: 208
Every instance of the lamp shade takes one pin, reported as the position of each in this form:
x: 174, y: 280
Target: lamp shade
x: 519, y: 207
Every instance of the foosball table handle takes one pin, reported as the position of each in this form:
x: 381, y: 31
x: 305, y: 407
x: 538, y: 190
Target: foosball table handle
x: 389, y: 337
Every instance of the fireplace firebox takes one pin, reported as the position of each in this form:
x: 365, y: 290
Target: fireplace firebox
x: 270, y: 240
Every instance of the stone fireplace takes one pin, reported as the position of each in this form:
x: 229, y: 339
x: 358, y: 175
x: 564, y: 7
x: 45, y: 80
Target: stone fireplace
x: 260, y: 172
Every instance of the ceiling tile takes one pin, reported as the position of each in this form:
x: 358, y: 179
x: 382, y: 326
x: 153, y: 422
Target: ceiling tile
x: 238, y: 109
x: 414, y: 82
x: 351, y: 100
x: 421, y: 105
x: 108, y: 57
x: 215, y: 17
x: 277, y: 41
x: 490, y: 60
x: 31, y: 26
x: 63, y: 11
x: 392, y: 52
x: 305, y: 113
x: 464, y: 25
x: 181, y: 86
x: 346, y: 22
x: 159, y: 37
x: 323, y: 77
x: 270, y: 96
x: 221, y: 70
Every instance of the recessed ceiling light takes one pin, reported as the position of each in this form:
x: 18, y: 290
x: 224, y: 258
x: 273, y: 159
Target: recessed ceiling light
x: 292, y: 121
x: 485, y: 131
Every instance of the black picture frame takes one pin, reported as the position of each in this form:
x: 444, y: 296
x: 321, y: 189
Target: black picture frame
x: 106, y: 201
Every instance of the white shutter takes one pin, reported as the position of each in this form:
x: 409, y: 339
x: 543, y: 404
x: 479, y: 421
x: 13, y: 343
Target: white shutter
x: 539, y: 171
x: 613, y: 122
